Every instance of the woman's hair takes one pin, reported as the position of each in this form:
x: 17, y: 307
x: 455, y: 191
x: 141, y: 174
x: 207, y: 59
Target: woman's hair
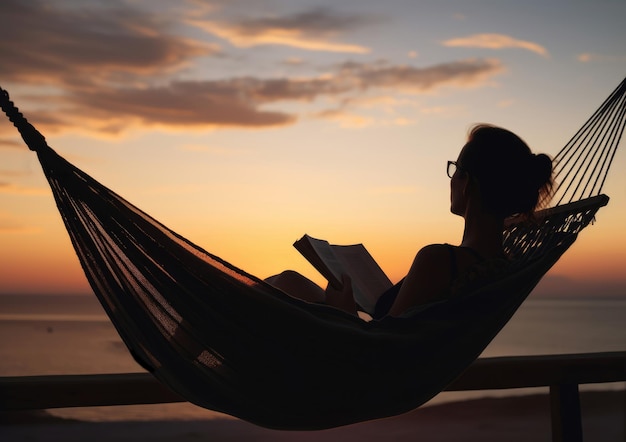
x: 512, y: 180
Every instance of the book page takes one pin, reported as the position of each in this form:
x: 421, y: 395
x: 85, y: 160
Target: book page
x: 320, y: 254
x: 368, y: 279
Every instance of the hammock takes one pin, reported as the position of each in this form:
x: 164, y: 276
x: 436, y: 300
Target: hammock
x: 227, y: 341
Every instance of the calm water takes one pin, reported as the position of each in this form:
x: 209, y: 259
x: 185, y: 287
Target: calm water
x: 72, y: 335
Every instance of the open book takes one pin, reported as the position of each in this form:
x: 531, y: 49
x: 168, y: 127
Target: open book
x: 368, y: 279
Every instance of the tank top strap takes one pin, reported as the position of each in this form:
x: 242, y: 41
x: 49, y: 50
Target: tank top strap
x: 454, y: 267
x: 477, y: 255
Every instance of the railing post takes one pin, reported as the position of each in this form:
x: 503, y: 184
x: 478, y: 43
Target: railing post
x: 566, y: 418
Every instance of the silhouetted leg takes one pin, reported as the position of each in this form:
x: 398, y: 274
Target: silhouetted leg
x: 298, y: 286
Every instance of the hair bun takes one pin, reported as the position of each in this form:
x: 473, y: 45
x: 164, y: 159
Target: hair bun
x: 542, y: 169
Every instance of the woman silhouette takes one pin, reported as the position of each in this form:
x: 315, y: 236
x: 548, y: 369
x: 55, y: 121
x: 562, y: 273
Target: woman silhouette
x: 495, y: 176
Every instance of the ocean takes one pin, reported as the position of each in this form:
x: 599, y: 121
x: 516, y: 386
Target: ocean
x: 45, y: 334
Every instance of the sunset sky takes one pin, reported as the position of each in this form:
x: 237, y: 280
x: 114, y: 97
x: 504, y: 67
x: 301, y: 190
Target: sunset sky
x: 243, y: 124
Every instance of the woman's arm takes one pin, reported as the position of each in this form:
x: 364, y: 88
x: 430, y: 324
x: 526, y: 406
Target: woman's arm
x: 343, y: 298
x: 427, y: 279
x: 299, y: 286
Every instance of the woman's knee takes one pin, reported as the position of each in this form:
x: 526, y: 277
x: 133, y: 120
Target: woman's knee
x: 284, y: 276
x: 297, y: 285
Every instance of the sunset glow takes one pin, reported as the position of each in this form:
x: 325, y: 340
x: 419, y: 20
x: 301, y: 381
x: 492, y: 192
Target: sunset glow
x: 243, y: 125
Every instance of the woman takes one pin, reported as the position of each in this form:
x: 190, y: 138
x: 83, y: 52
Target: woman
x: 495, y: 176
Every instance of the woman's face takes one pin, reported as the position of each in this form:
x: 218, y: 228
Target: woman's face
x: 458, y: 184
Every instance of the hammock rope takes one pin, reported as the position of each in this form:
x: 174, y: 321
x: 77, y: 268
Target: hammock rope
x: 582, y: 165
x: 227, y: 341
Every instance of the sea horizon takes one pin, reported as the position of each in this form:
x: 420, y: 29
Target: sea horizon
x: 71, y: 334
x: 542, y: 324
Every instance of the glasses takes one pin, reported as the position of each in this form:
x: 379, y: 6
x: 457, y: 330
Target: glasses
x: 452, y: 168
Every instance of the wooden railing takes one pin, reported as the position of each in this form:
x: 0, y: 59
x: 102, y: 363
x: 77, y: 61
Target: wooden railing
x: 561, y: 373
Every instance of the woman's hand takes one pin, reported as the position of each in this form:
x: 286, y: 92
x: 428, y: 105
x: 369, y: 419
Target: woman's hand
x: 342, y: 298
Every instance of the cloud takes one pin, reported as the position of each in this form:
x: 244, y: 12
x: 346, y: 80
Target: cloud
x: 447, y: 111
x: 227, y: 103
x: 294, y: 61
x: 241, y: 101
x: 43, y: 43
x: 589, y: 57
x: 12, y: 189
x: 312, y: 30
x: 496, y: 41
x: 506, y: 103
x: 105, y: 68
x: 464, y: 73
x: 11, y: 144
x: 345, y: 119
x: 9, y: 225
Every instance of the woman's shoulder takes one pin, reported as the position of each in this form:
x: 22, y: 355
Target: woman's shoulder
x: 430, y: 264
x: 438, y: 253
x: 436, y: 250
x: 433, y: 261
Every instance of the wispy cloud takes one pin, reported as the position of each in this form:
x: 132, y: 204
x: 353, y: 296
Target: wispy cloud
x: 345, y: 119
x: 447, y: 111
x: 13, y: 189
x: 315, y: 30
x: 589, y: 57
x: 384, y: 77
x: 239, y: 102
x: 506, y: 103
x: 496, y: 41
x: 44, y: 44
x: 206, y: 104
x: 106, y: 68
x: 10, y: 225
x: 464, y: 73
x: 6, y: 143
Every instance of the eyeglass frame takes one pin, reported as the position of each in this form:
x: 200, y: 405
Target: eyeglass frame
x: 456, y: 167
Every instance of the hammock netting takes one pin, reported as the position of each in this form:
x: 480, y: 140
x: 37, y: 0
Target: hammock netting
x: 227, y: 341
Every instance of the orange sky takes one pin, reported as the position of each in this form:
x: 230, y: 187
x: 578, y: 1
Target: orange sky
x: 243, y: 128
